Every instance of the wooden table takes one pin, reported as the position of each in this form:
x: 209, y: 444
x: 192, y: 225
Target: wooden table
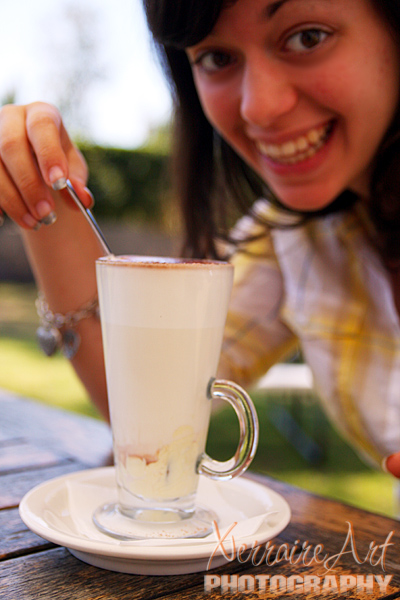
x: 38, y: 443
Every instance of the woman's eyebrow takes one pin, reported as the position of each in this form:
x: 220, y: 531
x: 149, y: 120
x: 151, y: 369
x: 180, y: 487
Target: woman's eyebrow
x: 273, y: 7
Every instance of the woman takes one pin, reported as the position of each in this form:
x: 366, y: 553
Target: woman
x: 289, y: 100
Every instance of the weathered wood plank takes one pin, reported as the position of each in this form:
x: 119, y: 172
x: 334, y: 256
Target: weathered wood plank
x: 15, y: 538
x: 330, y: 519
x: 56, y: 574
x: 22, y: 455
x: 85, y: 439
x: 15, y: 485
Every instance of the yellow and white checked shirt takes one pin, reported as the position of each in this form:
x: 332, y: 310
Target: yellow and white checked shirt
x: 323, y: 286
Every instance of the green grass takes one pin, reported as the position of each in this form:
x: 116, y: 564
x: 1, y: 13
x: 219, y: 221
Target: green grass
x: 23, y: 368
x: 27, y: 372
x: 338, y: 473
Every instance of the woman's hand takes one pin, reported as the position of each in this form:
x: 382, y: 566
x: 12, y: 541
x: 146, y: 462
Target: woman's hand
x: 35, y: 152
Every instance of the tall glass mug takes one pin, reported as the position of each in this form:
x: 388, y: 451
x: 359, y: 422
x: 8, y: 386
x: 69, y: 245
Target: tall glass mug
x: 162, y: 325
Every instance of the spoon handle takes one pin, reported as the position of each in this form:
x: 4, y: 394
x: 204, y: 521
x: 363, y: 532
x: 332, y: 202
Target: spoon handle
x: 62, y: 184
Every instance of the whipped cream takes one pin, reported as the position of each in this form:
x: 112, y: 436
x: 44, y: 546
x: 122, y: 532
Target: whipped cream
x: 170, y: 474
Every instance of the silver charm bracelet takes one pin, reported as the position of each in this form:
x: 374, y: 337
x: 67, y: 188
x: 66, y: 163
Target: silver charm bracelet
x: 49, y: 335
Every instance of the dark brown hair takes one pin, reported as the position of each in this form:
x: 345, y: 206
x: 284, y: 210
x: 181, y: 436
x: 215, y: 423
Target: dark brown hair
x: 213, y: 183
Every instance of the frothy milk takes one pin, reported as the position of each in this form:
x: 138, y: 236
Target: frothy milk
x: 162, y: 325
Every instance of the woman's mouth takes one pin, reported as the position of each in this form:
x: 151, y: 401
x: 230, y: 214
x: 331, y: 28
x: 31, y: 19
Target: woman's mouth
x: 299, y: 149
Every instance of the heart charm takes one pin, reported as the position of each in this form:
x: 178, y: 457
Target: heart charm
x: 70, y: 343
x: 48, y: 339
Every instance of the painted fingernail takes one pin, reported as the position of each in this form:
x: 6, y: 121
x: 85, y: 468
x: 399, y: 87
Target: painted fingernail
x: 50, y: 219
x: 56, y: 175
x: 31, y: 222
x: 384, y: 464
x: 91, y: 197
x: 46, y: 214
x: 60, y: 184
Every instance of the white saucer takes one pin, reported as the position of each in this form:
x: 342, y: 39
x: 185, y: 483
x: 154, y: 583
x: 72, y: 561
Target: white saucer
x: 61, y: 511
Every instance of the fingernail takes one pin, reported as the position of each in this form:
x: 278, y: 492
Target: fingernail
x: 384, y: 464
x: 50, y: 219
x: 60, y: 184
x: 56, y: 174
x: 31, y: 222
x: 91, y: 197
x: 46, y: 214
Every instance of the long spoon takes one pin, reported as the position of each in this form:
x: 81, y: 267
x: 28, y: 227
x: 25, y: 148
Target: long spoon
x: 65, y: 184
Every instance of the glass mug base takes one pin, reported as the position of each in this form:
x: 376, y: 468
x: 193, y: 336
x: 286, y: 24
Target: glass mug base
x: 153, y: 523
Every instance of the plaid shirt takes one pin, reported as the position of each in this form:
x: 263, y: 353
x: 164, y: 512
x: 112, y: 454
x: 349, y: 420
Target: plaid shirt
x: 323, y: 286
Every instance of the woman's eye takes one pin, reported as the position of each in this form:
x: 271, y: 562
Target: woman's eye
x: 305, y: 40
x: 214, y: 61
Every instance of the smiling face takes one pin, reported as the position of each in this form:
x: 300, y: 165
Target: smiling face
x: 303, y: 90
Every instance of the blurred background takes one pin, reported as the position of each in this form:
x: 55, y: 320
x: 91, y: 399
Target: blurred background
x: 94, y: 60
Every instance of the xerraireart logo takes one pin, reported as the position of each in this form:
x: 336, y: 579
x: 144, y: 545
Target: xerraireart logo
x: 303, y: 554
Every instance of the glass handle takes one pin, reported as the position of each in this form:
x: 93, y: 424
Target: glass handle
x: 248, y: 440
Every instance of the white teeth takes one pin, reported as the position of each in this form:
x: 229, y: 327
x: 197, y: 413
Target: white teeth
x: 298, y: 149
x: 288, y: 149
x: 313, y: 136
x: 302, y: 144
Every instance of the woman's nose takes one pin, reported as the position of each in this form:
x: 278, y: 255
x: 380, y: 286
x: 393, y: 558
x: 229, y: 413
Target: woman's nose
x: 267, y: 93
